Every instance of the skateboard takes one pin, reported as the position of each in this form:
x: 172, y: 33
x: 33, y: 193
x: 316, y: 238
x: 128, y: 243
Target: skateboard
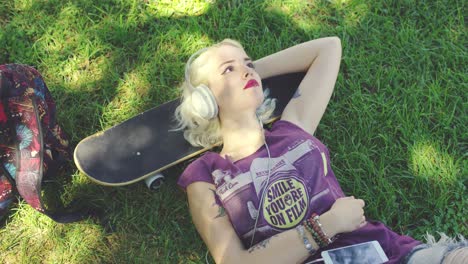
x: 142, y: 147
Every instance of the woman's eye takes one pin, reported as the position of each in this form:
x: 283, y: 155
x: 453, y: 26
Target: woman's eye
x: 251, y: 65
x: 228, y: 69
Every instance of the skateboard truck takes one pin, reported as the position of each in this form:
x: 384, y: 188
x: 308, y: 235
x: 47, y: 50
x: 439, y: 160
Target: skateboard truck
x: 154, y: 182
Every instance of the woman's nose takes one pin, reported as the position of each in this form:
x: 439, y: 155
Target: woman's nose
x: 248, y: 72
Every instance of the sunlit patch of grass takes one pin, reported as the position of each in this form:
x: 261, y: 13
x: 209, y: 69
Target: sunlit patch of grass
x: 313, y: 15
x: 400, y: 82
x: 147, y: 85
x: 22, y: 5
x: 300, y: 12
x: 354, y: 12
x: 79, y: 71
x: 79, y: 244
x: 131, y: 91
x: 429, y: 162
x: 41, y: 240
x: 76, y: 57
x: 350, y: 12
x: 178, y: 8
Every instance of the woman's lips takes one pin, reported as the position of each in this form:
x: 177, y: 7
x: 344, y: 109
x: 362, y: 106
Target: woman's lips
x: 251, y: 83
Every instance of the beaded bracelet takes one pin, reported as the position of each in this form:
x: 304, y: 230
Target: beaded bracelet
x: 314, y: 226
x: 325, y: 237
x: 318, y: 230
x: 302, y: 235
x: 314, y: 233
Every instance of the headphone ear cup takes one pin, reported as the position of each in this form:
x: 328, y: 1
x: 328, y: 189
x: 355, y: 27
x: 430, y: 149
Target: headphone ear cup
x: 204, y: 102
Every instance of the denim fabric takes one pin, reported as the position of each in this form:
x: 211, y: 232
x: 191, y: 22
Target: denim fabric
x: 435, y: 252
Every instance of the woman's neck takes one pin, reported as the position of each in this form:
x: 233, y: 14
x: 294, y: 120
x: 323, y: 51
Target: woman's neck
x: 241, y: 137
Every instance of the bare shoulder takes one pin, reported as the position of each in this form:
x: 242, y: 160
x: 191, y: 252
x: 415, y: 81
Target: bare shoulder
x: 201, y: 197
x: 199, y: 191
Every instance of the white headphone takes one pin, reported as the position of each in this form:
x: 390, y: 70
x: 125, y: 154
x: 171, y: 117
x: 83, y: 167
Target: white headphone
x: 203, y: 101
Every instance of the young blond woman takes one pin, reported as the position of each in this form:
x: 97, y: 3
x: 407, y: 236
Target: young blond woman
x: 270, y: 196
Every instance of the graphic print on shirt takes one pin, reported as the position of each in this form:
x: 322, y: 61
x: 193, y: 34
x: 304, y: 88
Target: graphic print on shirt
x: 286, y: 199
x: 285, y: 203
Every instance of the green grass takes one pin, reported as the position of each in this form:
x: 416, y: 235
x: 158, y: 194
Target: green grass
x: 396, y: 125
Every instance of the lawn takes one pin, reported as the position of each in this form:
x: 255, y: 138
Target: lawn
x: 396, y: 125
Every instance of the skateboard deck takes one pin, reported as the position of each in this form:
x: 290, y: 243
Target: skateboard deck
x: 144, y: 146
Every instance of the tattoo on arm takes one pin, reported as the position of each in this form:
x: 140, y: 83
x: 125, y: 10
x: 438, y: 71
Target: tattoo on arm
x: 221, y: 210
x: 261, y: 245
x: 297, y: 94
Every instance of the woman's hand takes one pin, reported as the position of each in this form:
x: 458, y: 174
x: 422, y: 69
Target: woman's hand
x: 345, y: 215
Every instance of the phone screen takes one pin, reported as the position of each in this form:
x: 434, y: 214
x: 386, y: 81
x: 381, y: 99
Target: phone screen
x: 364, y: 253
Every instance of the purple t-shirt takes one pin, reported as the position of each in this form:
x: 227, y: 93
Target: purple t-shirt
x: 301, y: 182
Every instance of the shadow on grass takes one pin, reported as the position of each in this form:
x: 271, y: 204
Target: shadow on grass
x: 121, y: 59
x: 106, y: 61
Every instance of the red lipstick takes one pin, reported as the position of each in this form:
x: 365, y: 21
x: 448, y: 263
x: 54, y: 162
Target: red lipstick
x: 251, y: 83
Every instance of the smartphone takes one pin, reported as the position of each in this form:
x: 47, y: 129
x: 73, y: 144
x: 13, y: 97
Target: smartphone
x: 364, y: 253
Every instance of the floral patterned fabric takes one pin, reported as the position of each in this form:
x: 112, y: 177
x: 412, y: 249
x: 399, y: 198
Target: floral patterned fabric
x: 32, y: 144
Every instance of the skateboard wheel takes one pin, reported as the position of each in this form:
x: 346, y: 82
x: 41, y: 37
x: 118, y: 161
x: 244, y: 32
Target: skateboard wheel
x: 155, y: 181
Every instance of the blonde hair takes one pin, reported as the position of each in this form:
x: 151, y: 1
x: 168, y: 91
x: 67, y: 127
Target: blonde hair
x: 197, y: 130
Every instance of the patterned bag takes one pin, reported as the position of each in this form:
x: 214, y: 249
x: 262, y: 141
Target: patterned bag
x: 32, y: 144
